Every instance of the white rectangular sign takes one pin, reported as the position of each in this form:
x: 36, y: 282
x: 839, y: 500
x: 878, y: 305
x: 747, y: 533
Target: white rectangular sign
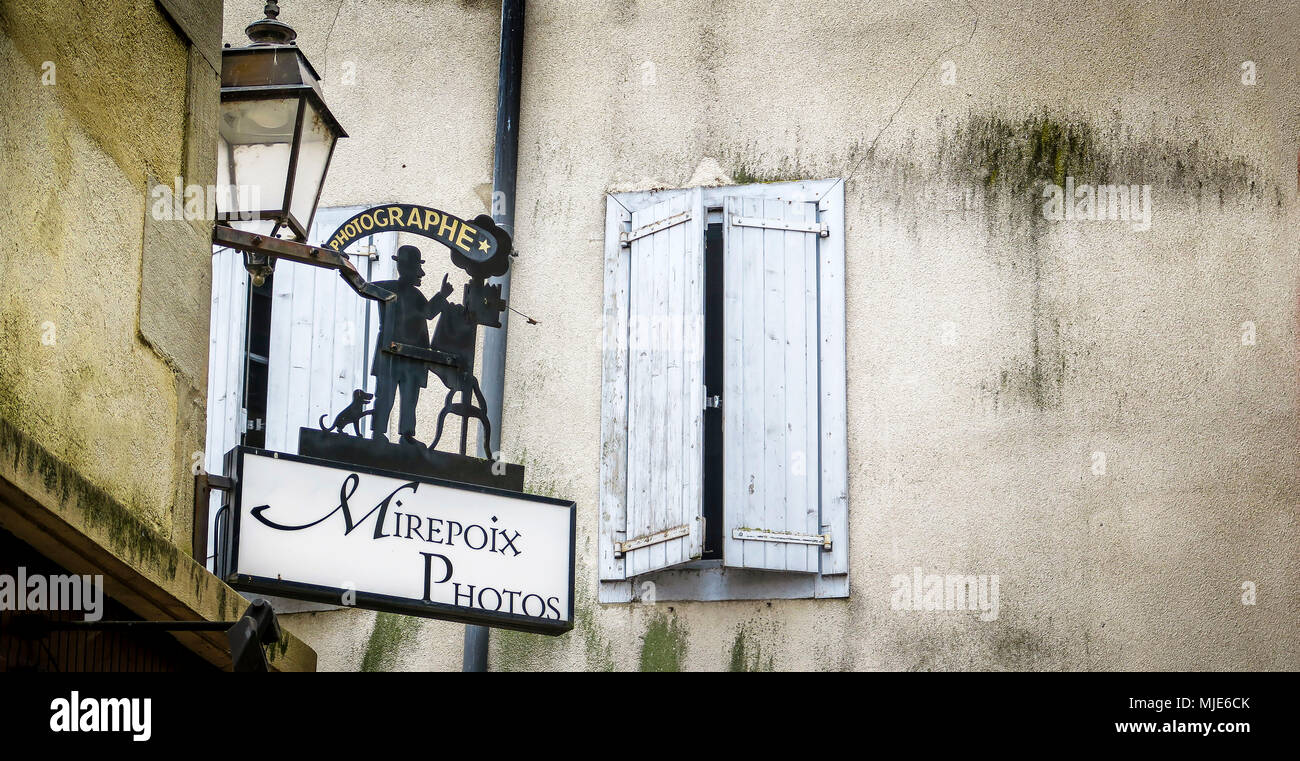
x: 331, y: 532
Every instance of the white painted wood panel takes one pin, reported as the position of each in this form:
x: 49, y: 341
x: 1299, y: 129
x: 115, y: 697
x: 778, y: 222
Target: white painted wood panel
x: 228, y: 325
x: 613, y: 395
x: 664, y: 386
x: 833, y: 442
x: 767, y: 408
x: 800, y: 353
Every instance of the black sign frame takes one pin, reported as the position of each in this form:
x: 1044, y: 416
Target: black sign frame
x: 228, y: 557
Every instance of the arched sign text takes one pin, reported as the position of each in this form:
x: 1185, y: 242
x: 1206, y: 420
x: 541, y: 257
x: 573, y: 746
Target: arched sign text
x: 469, y: 239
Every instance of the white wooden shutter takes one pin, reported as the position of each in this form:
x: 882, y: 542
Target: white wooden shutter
x: 322, y: 336
x: 653, y: 395
x: 228, y: 325
x: 771, y: 400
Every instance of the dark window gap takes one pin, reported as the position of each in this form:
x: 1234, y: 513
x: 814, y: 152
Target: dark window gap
x: 713, y: 370
x: 257, y: 353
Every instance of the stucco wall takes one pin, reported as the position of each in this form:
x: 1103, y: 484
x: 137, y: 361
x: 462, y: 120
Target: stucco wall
x: 104, y: 304
x: 992, y: 352
x: 94, y: 104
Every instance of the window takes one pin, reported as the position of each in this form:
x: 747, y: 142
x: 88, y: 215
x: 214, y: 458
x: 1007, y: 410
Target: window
x: 257, y: 350
x: 723, y: 457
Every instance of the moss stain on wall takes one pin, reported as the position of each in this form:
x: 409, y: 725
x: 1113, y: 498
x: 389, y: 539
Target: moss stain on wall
x: 663, y: 646
x: 748, y: 171
x: 1016, y: 158
x: 128, y: 536
x: 519, y: 651
x: 1008, y: 162
x: 754, y: 637
x: 390, y: 633
x: 747, y: 654
x: 522, y: 651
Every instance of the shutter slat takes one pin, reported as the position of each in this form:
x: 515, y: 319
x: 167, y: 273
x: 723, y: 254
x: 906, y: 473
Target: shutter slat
x: 833, y: 441
x: 811, y: 483
x: 613, y: 397
x: 277, y: 385
x: 654, y: 512
x: 774, y: 398
x: 796, y: 397
x: 750, y: 258
x: 693, y: 381
x: 321, y: 367
x: 291, y: 334
x: 674, y: 400
x: 734, y: 386
x: 345, y: 345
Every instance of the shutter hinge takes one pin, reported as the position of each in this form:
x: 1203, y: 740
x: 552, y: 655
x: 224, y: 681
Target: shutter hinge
x: 819, y: 228
x: 786, y: 537
x: 658, y: 537
x: 625, y: 238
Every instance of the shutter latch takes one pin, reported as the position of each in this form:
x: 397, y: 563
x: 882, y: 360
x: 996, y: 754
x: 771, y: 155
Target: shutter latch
x: 786, y: 537
x: 625, y: 238
x: 713, y: 402
x: 622, y: 548
x: 819, y: 228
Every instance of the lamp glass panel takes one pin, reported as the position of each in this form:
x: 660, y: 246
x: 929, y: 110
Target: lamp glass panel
x: 257, y: 226
x: 313, y: 154
x: 255, y: 147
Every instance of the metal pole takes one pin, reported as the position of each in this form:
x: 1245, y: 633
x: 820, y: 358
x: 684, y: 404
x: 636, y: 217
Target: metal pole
x: 505, y: 164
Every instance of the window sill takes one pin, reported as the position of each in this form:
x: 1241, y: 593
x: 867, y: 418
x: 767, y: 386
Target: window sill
x: 708, y: 580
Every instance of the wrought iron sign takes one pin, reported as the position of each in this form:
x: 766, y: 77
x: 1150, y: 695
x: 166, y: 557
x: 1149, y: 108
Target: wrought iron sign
x: 480, y: 248
x: 293, y: 516
x: 404, y: 354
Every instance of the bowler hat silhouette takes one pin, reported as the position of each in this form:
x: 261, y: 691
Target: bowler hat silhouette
x: 408, y: 255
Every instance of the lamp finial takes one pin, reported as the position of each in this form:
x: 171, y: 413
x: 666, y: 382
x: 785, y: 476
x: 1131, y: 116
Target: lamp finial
x: 270, y: 30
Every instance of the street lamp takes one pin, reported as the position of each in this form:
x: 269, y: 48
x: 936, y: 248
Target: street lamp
x: 276, y: 137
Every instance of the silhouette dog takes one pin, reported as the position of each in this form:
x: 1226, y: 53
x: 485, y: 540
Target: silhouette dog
x: 351, y: 414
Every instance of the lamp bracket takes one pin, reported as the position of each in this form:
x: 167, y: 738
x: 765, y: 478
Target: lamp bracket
x: 302, y: 253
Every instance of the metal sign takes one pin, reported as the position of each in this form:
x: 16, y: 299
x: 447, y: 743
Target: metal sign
x: 344, y: 534
x: 479, y: 247
x: 404, y: 353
